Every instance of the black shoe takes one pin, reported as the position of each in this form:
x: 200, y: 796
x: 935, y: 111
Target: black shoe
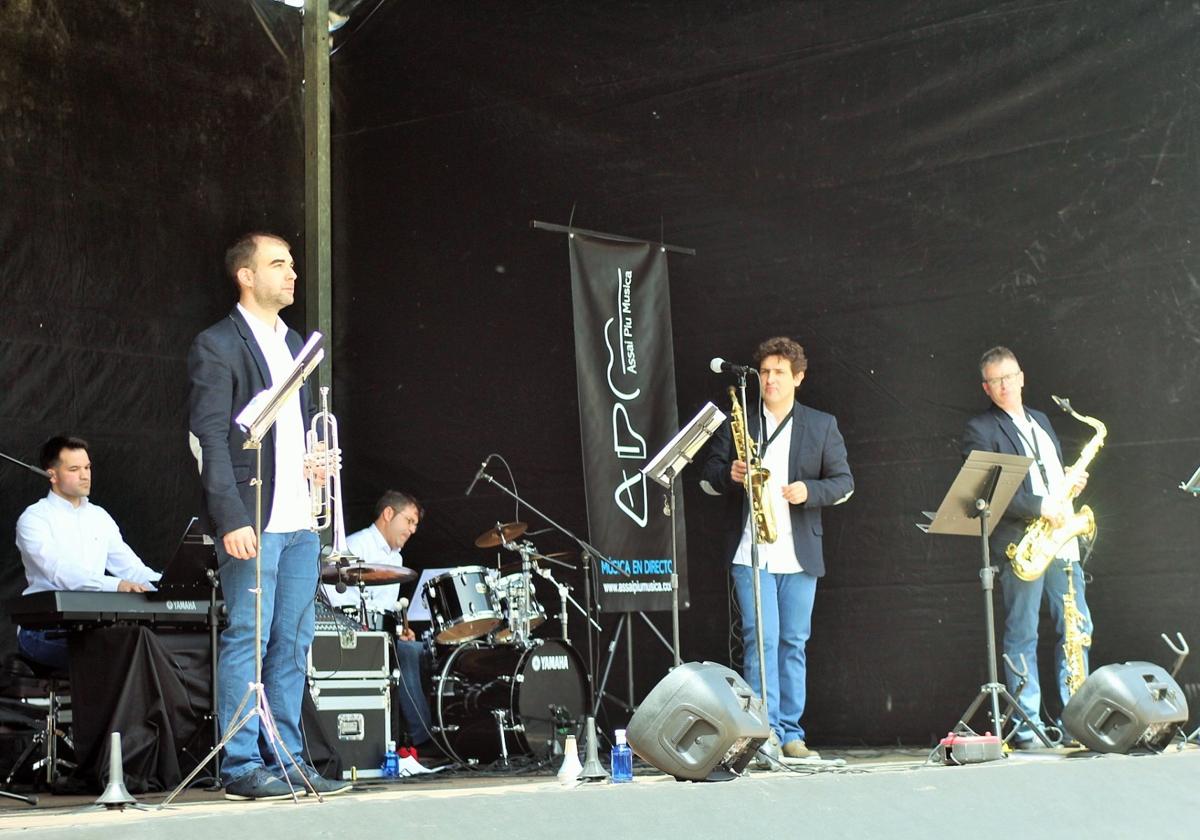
x: 323, y: 786
x: 257, y: 784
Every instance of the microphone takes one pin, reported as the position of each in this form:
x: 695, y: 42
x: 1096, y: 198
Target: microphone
x: 478, y: 475
x: 719, y: 365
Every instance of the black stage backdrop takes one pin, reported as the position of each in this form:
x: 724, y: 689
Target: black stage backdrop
x: 627, y: 412
x: 136, y: 141
x: 898, y: 185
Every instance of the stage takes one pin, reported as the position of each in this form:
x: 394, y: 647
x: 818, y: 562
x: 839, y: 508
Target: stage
x: 874, y: 793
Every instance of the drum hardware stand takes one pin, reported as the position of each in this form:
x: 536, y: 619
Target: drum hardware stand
x: 982, y: 490
x: 500, y: 714
x: 588, y: 552
x: 254, y: 702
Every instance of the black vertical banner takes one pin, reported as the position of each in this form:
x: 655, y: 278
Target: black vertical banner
x: 626, y: 372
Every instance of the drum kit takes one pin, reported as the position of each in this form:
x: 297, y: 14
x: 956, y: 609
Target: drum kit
x: 498, y: 690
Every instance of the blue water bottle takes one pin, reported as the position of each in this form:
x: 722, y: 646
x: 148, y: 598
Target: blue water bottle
x: 391, y: 762
x: 622, y: 759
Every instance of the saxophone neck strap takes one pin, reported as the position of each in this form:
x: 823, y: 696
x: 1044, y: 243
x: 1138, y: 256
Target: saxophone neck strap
x: 1032, y: 443
x: 783, y: 424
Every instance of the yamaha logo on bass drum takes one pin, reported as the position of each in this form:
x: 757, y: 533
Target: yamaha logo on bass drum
x: 550, y: 663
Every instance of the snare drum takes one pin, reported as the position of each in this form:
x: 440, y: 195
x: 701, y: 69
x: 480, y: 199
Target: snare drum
x: 463, y: 605
x: 526, y: 693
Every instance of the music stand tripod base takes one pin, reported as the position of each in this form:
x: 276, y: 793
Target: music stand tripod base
x: 975, y: 501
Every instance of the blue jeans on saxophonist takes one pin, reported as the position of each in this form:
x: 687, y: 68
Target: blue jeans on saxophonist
x: 1023, y: 603
x: 787, y: 604
x: 289, y: 582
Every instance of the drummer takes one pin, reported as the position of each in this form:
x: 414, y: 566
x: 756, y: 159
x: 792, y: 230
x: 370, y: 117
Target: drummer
x: 397, y: 516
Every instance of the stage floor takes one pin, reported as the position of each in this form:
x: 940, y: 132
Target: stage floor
x: 863, y: 793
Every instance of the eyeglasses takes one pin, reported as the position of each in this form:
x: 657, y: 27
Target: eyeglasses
x: 997, y: 381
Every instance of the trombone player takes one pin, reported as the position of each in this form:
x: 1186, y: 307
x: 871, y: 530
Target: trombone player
x: 228, y: 364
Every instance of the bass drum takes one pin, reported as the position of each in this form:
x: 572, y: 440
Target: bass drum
x: 528, y: 692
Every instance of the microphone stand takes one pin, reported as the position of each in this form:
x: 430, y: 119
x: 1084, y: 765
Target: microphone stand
x: 760, y: 645
x: 592, y: 769
x: 29, y: 467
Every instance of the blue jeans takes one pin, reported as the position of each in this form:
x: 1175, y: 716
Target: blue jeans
x: 411, y: 691
x: 787, y: 603
x: 289, y: 584
x: 46, y: 647
x: 1023, y: 602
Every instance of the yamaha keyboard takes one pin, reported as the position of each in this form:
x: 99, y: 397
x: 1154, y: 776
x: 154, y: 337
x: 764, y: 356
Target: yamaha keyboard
x: 42, y: 610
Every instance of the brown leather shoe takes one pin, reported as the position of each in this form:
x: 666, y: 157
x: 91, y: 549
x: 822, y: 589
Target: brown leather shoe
x: 797, y: 749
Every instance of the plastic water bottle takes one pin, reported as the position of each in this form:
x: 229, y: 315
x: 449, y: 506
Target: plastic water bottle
x: 391, y: 762
x: 622, y: 759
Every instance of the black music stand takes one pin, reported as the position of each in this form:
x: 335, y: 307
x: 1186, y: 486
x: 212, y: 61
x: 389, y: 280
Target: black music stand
x: 974, y: 503
x: 664, y: 468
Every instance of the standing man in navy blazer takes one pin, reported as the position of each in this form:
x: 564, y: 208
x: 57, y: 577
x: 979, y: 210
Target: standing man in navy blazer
x: 1010, y: 427
x: 806, y: 456
x: 228, y: 364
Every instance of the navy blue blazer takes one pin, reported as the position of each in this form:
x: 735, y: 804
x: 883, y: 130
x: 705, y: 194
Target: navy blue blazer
x: 817, y: 457
x: 994, y: 431
x: 226, y: 369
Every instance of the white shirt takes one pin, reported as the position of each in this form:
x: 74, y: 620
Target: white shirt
x: 369, y: 545
x: 72, y: 549
x: 778, y: 557
x: 290, y: 510
x: 1032, y: 432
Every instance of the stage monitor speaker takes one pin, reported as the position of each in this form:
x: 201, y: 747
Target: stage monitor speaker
x: 1122, y: 705
x: 700, y: 723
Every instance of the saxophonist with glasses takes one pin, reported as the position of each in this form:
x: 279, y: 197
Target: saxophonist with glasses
x: 1041, y: 505
x: 805, y: 456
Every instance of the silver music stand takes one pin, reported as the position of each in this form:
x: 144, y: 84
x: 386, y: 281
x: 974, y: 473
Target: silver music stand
x: 663, y: 468
x: 972, y: 506
x: 256, y: 419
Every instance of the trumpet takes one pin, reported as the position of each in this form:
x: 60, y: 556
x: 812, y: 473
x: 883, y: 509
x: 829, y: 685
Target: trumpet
x: 323, y: 468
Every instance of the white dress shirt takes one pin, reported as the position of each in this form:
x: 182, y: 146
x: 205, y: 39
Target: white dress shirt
x: 1032, y: 432
x: 778, y: 557
x: 71, y: 549
x: 290, y: 504
x: 370, y: 546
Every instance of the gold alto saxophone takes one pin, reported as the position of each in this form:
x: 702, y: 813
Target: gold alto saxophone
x: 1042, y: 541
x: 756, y: 475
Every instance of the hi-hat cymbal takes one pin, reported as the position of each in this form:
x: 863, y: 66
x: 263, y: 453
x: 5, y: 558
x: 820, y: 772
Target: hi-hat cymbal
x: 371, y: 575
x: 501, y: 534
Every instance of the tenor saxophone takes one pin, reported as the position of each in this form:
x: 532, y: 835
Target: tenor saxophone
x: 757, y: 475
x: 1042, y: 541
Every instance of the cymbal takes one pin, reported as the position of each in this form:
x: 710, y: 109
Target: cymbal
x: 371, y: 575
x: 501, y: 534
